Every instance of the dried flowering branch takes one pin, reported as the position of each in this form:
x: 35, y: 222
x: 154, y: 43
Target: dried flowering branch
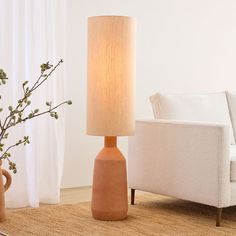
x: 17, y: 114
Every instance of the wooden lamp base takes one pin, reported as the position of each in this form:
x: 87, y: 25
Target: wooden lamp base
x: 109, y: 195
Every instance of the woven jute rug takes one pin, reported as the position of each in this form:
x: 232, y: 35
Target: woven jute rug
x: 151, y: 215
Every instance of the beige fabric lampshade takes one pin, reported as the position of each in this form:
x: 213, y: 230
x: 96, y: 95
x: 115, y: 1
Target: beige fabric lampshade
x: 111, y: 74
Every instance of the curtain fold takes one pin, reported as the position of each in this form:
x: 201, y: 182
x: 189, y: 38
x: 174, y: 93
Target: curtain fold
x: 33, y: 32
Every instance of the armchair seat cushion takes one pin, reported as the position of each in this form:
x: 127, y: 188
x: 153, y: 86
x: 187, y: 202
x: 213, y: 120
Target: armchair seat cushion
x: 233, y: 163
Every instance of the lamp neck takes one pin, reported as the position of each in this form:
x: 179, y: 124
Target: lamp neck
x: 110, y: 141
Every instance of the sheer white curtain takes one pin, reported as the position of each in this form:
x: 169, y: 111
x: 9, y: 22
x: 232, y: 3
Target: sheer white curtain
x: 32, y: 32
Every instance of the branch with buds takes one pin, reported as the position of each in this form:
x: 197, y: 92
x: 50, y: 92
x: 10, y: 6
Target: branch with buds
x: 17, y: 114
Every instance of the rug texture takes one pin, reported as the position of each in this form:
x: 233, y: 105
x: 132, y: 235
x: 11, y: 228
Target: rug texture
x: 151, y: 215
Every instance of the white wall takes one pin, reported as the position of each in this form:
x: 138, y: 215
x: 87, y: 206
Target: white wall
x: 182, y: 46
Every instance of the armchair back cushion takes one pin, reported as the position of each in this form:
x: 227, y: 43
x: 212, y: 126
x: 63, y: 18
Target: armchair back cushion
x: 210, y: 107
x: 231, y: 97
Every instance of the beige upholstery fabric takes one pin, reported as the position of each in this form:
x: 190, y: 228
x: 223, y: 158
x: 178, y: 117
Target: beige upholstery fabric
x: 233, y: 193
x: 187, y: 160
x: 233, y: 163
x: 231, y: 97
x: 209, y: 107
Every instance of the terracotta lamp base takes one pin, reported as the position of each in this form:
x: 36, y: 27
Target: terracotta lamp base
x: 109, y: 196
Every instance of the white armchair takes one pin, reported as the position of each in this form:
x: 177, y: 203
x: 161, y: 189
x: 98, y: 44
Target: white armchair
x: 184, y: 159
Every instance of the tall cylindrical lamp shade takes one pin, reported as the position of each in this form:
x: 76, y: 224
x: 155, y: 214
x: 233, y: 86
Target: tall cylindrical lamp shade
x: 111, y: 73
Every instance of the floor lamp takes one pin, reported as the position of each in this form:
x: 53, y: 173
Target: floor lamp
x: 110, y: 108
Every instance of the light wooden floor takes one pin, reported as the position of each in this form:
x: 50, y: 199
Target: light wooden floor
x: 75, y: 195
x: 82, y: 194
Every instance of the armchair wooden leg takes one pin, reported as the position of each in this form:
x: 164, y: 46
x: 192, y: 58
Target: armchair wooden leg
x: 132, y: 196
x: 218, y: 216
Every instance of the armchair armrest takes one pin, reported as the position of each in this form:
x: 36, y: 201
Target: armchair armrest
x: 187, y: 160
